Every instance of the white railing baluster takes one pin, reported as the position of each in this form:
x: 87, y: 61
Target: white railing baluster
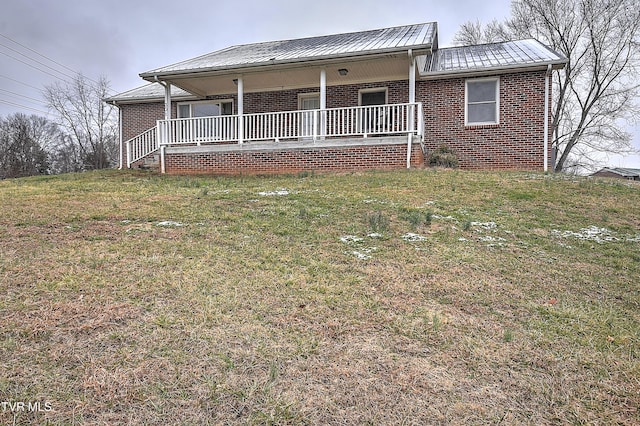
x: 142, y: 145
x: 363, y: 121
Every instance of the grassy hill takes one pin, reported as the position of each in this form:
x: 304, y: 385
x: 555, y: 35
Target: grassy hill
x: 408, y: 297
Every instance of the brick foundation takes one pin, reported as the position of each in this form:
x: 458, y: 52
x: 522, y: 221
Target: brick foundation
x: 348, y: 157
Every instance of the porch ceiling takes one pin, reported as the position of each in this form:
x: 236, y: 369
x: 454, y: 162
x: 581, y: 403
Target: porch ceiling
x: 390, y: 67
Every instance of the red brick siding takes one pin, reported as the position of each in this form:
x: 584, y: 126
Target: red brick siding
x: 348, y: 158
x: 515, y: 143
x: 287, y: 100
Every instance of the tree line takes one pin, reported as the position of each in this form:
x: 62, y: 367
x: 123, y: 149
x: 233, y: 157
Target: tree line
x: 84, y: 136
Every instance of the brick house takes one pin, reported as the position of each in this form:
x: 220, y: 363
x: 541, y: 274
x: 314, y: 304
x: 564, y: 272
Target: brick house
x: 366, y: 100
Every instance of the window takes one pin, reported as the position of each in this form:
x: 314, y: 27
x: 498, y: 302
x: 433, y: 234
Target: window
x: 205, y: 109
x: 482, y: 101
x: 373, y: 117
x: 210, y: 127
x: 373, y: 97
x: 307, y: 101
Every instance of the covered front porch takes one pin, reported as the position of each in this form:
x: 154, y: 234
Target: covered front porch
x: 303, y: 127
x: 286, y: 103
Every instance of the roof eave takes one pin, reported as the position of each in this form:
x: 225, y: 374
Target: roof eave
x: 146, y: 99
x: 559, y: 64
x: 154, y: 76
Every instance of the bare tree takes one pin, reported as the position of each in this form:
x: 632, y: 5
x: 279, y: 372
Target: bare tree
x: 23, y: 143
x: 89, y: 122
x: 65, y: 156
x: 596, y: 94
x: 473, y: 32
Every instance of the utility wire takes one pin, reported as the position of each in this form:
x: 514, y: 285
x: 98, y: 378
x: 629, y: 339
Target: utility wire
x: 39, y: 101
x: 33, y: 66
x: 36, y: 61
x: 3, y: 101
x: 20, y: 82
x: 46, y: 57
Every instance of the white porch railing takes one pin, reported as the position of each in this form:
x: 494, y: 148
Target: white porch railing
x: 141, y: 146
x: 392, y: 119
x: 222, y: 128
x: 364, y: 121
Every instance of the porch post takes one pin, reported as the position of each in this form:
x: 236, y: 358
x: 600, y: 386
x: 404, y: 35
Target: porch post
x: 412, y: 92
x: 162, y: 141
x: 323, y: 102
x: 412, y: 80
x: 240, y: 83
x: 167, y: 101
x: 323, y: 88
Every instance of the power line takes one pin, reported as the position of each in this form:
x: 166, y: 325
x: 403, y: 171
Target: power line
x: 20, y: 82
x: 33, y: 66
x: 3, y: 101
x: 40, y: 54
x: 39, y: 101
x: 35, y: 60
x: 48, y: 59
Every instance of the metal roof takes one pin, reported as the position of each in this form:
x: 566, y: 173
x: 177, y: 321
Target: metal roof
x: 397, y: 39
x: 151, y: 91
x: 510, y: 54
x: 622, y: 171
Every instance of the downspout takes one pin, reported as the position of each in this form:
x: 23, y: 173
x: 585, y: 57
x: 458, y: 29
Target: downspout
x: 120, y: 136
x: 120, y: 146
x: 412, y: 100
x: 546, y: 118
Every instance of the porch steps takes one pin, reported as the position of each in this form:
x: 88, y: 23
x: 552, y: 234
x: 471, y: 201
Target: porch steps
x: 150, y: 162
x: 142, y: 146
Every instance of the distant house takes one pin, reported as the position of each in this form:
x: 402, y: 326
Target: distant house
x: 366, y: 100
x: 619, y: 173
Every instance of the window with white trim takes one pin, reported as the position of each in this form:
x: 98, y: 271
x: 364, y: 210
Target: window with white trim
x: 373, y: 117
x: 204, y: 109
x: 210, y: 126
x: 376, y: 96
x: 482, y: 101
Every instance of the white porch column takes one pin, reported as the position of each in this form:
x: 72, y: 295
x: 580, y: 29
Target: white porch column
x: 167, y: 101
x: 240, y: 84
x: 412, y: 80
x: 323, y: 88
x: 323, y: 102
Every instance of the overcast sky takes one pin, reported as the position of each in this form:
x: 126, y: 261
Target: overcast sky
x: 122, y: 38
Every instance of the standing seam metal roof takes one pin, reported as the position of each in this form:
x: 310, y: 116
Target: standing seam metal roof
x: 297, y: 50
x: 495, y: 55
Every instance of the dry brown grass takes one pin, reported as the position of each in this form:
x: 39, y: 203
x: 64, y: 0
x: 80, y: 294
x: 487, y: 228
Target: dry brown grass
x: 253, y: 311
